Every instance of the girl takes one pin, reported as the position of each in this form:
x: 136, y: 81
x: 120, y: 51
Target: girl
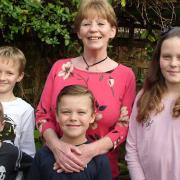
x: 153, y: 146
x: 12, y: 64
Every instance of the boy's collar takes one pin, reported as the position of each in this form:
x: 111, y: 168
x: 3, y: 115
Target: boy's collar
x: 86, y: 142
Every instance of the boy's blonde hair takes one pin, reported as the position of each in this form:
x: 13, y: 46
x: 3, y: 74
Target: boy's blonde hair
x: 14, y: 55
x: 75, y: 90
x: 90, y: 8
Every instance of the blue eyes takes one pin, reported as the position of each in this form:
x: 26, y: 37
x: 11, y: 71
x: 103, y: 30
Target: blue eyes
x: 82, y: 112
x: 166, y: 57
x: 65, y: 112
x: 69, y: 112
x: 169, y: 57
x: 100, y: 24
x: 85, y: 24
x: 9, y: 73
x: 88, y: 24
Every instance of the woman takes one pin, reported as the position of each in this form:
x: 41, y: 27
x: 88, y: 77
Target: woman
x: 153, y: 146
x: 113, y: 86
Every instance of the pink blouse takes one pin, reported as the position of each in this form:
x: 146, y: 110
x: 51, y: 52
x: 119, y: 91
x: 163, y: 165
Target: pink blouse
x: 112, y: 90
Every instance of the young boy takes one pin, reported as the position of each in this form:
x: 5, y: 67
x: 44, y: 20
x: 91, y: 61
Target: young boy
x: 17, y: 110
x: 11, y: 159
x: 75, y: 112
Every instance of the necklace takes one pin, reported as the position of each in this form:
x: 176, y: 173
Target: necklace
x: 88, y: 66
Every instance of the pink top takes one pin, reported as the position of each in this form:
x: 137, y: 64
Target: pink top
x: 111, y: 90
x: 153, y: 148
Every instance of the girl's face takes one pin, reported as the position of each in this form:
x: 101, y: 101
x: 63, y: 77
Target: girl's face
x: 74, y: 116
x: 9, y: 76
x: 170, y: 61
x: 95, y: 33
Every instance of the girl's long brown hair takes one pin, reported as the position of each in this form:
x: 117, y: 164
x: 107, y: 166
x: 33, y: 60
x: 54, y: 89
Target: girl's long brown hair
x: 154, y: 86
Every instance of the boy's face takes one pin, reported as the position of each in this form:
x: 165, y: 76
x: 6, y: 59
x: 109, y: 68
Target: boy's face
x: 74, y: 116
x: 9, y: 75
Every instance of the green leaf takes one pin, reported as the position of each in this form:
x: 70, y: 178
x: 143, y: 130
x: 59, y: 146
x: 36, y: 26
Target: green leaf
x: 36, y: 134
x: 123, y: 3
x: 151, y: 38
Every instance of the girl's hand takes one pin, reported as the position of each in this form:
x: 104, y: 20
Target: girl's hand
x: 67, y: 158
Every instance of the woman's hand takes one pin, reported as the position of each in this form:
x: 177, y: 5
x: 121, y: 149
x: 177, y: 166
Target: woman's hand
x: 67, y: 157
x: 87, y: 153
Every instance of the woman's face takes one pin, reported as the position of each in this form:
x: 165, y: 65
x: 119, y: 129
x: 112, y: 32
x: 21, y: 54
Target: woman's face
x: 170, y: 61
x: 95, y: 33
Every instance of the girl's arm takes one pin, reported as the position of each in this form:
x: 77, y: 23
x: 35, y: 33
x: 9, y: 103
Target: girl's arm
x: 134, y: 166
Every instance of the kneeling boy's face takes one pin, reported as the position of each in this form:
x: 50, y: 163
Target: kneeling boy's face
x: 74, y: 116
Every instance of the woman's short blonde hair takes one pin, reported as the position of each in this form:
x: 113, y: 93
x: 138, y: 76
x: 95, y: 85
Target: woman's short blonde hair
x: 90, y: 8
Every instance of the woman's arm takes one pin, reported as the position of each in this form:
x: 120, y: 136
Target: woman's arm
x: 66, y: 155
x: 119, y: 133
x: 95, y: 148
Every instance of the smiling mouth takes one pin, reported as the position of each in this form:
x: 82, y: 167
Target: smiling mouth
x: 173, y: 72
x: 94, y: 38
x: 72, y: 125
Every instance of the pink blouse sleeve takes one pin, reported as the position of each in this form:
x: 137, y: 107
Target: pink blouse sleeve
x: 44, y: 116
x: 119, y: 133
x: 134, y: 166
